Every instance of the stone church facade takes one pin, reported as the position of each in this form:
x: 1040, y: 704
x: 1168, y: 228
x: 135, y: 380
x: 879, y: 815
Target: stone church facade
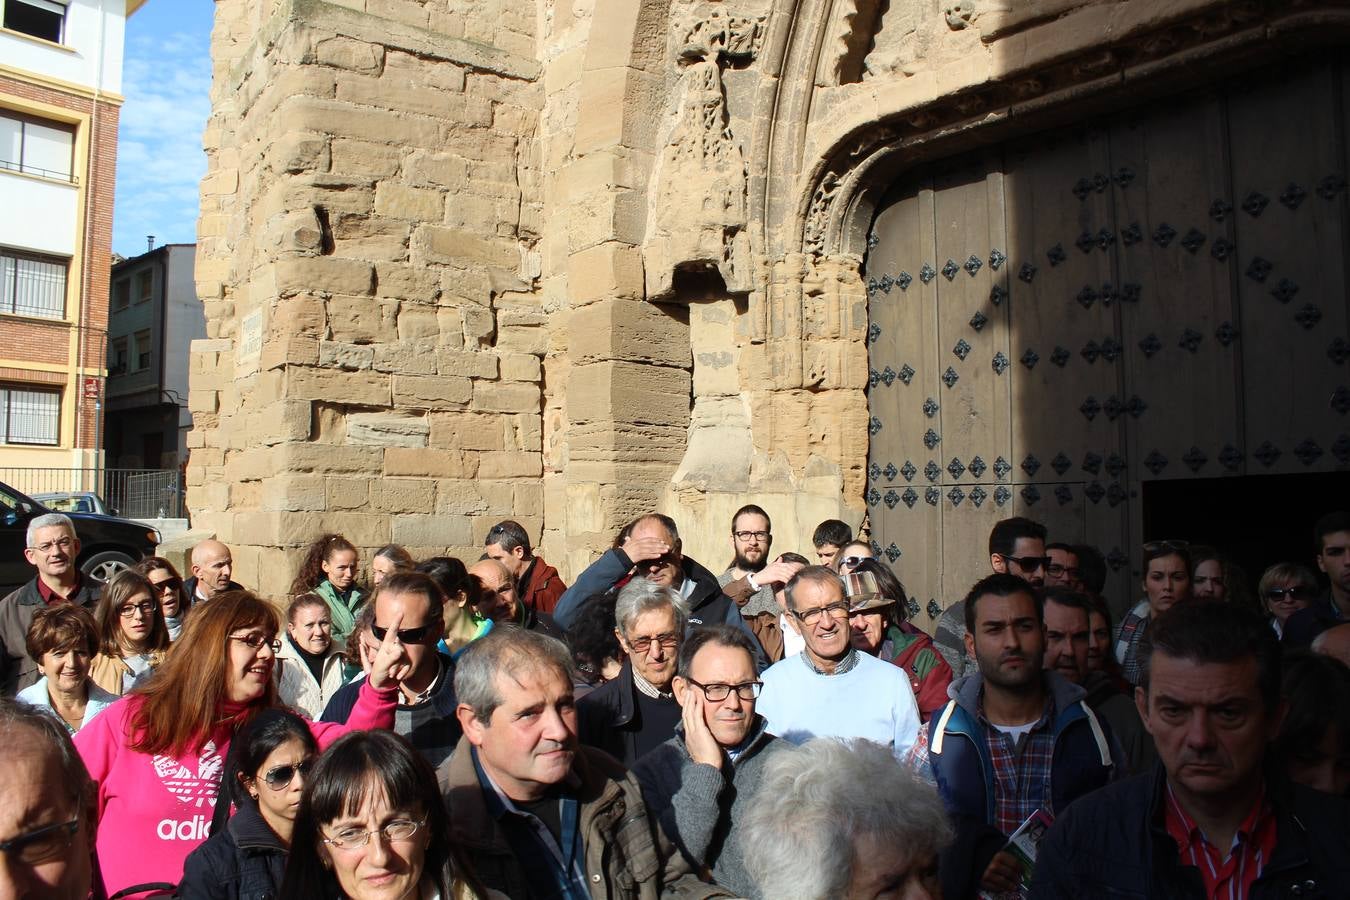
x: 572, y: 261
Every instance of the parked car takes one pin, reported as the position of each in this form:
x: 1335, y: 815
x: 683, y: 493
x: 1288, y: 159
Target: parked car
x: 75, y: 501
x: 107, y: 544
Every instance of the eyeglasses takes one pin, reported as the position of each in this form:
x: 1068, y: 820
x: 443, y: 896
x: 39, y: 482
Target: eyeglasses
x: 355, y: 838
x: 168, y: 584
x: 1059, y: 571
x: 64, y: 543
x: 643, y: 644
x: 1028, y: 563
x: 747, y: 535
x: 852, y: 561
x: 257, y: 641
x: 280, y: 777
x: 41, y: 844
x: 1301, y: 592
x: 148, y: 608
x: 405, y: 635
x: 810, y: 616
x: 716, y: 693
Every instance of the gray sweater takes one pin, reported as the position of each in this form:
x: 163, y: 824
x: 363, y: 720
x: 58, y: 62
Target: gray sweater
x: 697, y: 805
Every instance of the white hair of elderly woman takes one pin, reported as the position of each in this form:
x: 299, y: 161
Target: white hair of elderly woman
x: 640, y: 595
x: 822, y: 805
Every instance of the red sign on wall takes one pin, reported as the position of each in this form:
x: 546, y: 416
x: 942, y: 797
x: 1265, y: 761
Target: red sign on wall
x: 91, y: 389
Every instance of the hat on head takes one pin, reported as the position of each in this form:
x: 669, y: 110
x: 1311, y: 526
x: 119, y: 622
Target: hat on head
x: 863, y: 593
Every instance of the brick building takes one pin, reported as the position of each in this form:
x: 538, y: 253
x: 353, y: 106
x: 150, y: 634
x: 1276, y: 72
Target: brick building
x: 60, y: 83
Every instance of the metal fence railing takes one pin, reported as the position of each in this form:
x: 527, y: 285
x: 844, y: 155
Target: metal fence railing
x: 132, y: 493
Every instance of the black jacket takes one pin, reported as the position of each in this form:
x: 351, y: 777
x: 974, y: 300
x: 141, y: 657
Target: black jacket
x: 1113, y: 843
x: 243, y: 861
x: 605, y: 718
x: 434, y: 738
x: 190, y: 588
x: 1306, y: 624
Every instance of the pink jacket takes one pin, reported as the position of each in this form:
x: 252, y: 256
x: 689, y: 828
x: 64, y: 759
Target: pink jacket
x: 155, y: 810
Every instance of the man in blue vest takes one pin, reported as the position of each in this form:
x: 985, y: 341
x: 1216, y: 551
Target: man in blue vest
x: 1014, y: 738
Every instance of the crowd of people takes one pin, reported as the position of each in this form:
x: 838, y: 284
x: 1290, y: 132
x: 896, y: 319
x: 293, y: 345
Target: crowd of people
x: 457, y: 729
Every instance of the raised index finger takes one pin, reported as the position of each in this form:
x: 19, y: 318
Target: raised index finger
x: 391, y: 633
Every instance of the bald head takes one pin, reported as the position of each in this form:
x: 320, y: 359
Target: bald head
x: 499, y: 590
x: 212, y: 566
x: 1334, y: 642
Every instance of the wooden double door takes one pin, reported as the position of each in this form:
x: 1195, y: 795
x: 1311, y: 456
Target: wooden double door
x: 1056, y: 321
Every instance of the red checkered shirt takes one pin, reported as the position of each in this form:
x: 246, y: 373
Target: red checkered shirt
x: 1021, y: 770
x: 1227, y: 875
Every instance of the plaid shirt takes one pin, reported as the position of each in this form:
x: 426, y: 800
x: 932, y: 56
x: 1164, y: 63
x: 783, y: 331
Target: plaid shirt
x: 1128, y: 635
x: 1227, y: 875
x: 1021, y: 770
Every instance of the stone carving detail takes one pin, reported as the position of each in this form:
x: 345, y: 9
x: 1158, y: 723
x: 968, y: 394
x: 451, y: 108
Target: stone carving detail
x: 698, y: 210
x: 818, y: 215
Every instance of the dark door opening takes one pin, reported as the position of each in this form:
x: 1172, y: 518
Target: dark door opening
x: 1257, y: 520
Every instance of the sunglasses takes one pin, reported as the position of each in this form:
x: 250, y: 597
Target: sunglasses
x: 1293, y: 593
x: 167, y: 583
x: 1028, y: 563
x: 280, y: 777
x: 405, y: 635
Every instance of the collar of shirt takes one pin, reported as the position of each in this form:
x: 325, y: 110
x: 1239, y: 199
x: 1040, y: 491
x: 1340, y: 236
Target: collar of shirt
x: 844, y: 666
x: 1226, y: 872
x: 425, y: 694
x: 50, y: 596
x: 687, y: 588
x: 650, y: 689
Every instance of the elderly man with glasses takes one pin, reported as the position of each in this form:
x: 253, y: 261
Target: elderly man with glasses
x: 636, y: 711
x: 52, y: 548
x: 830, y: 689
x: 700, y: 782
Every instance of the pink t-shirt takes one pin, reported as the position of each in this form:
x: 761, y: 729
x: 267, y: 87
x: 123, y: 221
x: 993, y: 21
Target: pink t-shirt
x: 155, y: 810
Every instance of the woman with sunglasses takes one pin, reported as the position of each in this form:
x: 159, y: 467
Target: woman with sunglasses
x: 1167, y: 582
x: 174, y: 602
x: 246, y: 859
x: 156, y: 756
x: 132, y: 633
x: 1286, y: 588
x: 372, y: 826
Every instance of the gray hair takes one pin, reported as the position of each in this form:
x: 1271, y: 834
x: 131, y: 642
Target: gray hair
x: 804, y: 822
x: 52, y: 732
x: 49, y: 520
x: 510, y: 652
x: 816, y: 575
x: 640, y: 595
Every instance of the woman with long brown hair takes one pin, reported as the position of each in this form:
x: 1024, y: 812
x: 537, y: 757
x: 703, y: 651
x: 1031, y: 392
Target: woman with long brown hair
x: 157, y: 757
x: 174, y: 602
x: 132, y: 633
x: 329, y: 570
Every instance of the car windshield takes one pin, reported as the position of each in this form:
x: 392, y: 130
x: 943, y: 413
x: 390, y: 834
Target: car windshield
x: 68, y: 504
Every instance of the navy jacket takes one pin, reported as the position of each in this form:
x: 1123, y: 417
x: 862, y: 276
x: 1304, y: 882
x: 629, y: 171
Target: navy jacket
x: 1114, y: 844
x: 435, y: 739
x: 243, y: 861
x: 1086, y: 757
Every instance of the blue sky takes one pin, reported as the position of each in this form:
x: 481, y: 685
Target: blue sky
x: 166, y: 81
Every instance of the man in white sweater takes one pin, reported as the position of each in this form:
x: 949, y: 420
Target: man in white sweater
x: 829, y: 689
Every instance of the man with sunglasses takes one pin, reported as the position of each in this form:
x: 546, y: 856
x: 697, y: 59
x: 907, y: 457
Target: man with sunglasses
x: 47, y: 809
x: 700, y: 781
x: 425, y: 714
x: 636, y: 711
x: 1016, y: 547
x: 52, y: 549
x: 830, y: 689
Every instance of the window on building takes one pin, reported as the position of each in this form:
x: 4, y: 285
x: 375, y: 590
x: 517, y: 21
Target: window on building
x: 142, y: 350
x: 35, y: 146
x: 30, y: 415
x: 145, y: 282
x: 119, y: 357
x: 32, y: 285
x: 122, y: 294
x: 40, y: 18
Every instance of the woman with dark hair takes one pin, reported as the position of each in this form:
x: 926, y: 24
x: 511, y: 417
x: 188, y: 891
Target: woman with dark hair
x: 387, y: 560
x: 595, y: 647
x: 269, y: 761
x: 879, y: 626
x: 63, y: 640
x: 156, y: 757
x: 132, y: 633
x: 464, y: 595
x: 1167, y: 582
x: 1313, y: 746
x: 329, y: 570
x: 174, y: 601
x: 311, y: 661
x: 372, y: 824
